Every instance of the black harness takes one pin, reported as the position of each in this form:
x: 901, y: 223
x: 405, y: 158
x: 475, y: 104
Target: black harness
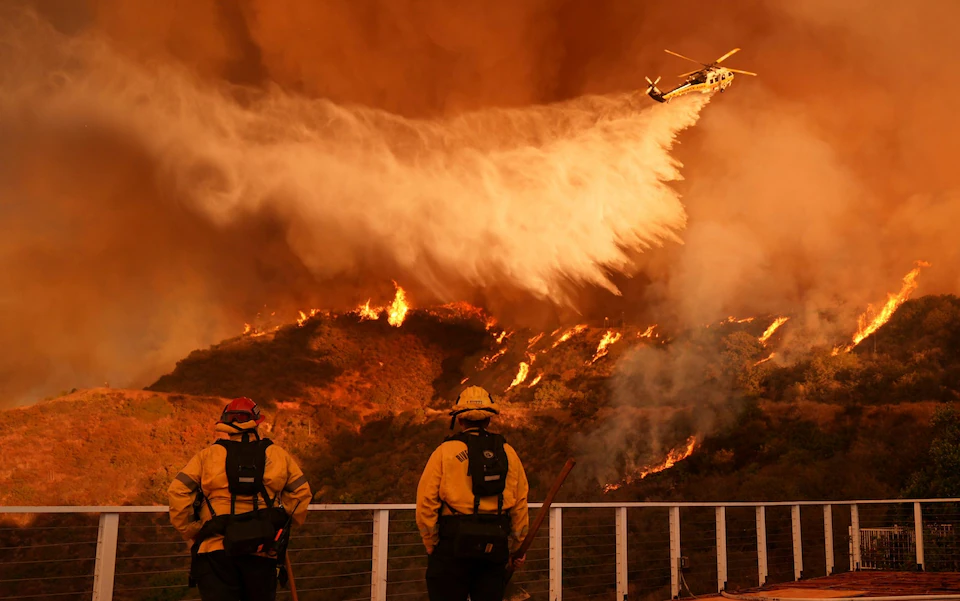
x: 477, y: 535
x: 265, y: 528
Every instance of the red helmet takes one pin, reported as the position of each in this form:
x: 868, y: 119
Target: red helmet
x: 241, y: 410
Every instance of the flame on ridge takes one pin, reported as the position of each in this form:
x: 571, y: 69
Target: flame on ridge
x: 773, y: 328
x: 602, y: 349
x: 569, y: 334
x: 678, y: 454
x: 648, y: 333
x: 396, y: 310
x: 867, y: 326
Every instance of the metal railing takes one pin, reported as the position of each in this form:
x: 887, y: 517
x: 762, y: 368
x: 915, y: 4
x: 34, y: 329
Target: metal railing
x: 585, y: 551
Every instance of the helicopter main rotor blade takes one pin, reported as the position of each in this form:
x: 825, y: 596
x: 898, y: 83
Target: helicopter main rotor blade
x: 689, y: 73
x: 685, y: 57
x: 727, y: 55
x: 739, y: 71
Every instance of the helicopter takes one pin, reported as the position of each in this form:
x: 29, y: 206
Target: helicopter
x: 711, y: 78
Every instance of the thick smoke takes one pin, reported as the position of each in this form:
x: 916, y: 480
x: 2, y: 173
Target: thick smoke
x: 813, y: 186
x: 536, y: 199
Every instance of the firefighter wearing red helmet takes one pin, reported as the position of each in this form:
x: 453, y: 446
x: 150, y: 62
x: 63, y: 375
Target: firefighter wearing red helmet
x: 472, y: 506
x: 235, y: 501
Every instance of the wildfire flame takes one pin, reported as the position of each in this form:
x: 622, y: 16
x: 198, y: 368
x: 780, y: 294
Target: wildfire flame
x: 773, y: 328
x: 603, y: 348
x: 732, y: 319
x: 536, y: 380
x: 305, y: 316
x: 771, y: 356
x: 252, y: 332
x: 365, y: 311
x: 534, y: 340
x: 396, y: 310
x: 569, y: 334
x: 674, y: 456
x: 648, y: 333
x: 502, y: 335
x: 867, y: 326
x: 490, y: 360
x: 521, y: 375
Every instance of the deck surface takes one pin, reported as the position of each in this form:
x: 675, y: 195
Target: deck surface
x: 862, y: 584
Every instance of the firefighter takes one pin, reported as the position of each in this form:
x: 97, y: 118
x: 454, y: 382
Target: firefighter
x: 472, y: 506
x: 229, y: 500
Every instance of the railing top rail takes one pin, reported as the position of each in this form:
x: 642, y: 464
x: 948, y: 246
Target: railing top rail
x: 410, y: 506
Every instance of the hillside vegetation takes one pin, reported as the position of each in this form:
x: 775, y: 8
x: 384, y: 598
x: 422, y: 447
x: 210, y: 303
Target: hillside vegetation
x: 361, y: 404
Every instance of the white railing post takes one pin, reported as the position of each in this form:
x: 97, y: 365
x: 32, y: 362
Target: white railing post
x: 918, y: 532
x: 622, y: 584
x: 828, y: 538
x: 381, y: 541
x: 854, y: 538
x: 721, y: 548
x: 762, y: 545
x: 797, y: 542
x: 674, y: 552
x: 556, y: 554
x: 106, y: 564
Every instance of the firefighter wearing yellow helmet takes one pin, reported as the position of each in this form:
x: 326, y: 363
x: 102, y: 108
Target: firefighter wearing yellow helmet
x: 472, y: 505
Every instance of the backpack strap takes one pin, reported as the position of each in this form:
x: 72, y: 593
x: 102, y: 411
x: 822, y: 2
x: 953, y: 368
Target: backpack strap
x: 262, y: 444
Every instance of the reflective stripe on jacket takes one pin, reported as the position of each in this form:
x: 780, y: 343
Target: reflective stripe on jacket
x: 280, y: 475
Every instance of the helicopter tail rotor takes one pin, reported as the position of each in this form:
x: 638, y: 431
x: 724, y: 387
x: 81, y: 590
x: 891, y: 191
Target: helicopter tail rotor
x: 653, y: 84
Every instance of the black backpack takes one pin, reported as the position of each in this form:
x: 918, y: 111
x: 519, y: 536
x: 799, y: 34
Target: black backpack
x: 476, y: 535
x: 254, y: 531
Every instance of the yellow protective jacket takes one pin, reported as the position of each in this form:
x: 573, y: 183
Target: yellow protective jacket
x: 207, y: 470
x: 446, y: 478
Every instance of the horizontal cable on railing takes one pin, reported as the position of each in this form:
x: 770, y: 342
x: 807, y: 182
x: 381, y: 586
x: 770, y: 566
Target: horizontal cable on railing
x: 367, y: 573
x: 86, y: 542
x: 45, y: 595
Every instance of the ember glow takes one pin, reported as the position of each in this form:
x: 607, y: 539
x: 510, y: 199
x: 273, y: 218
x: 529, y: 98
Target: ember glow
x: 673, y: 457
x: 609, y: 338
x: 489, y: 360
x: 870, y: 322
x: 648, y: 333
x: 773, y: 328
x: 569, y: 334
x: 534, y: 340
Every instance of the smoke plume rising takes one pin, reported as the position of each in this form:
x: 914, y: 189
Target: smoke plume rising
x: 130, y: 236
x: 537, y: 199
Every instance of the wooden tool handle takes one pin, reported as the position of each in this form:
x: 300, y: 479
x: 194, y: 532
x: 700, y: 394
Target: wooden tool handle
x: 290, y: 580
x: 542, y: 514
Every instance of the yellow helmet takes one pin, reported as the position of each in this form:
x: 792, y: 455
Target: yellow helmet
x: 474, y: 403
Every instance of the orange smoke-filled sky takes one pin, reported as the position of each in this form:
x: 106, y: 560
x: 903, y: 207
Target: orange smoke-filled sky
x: 813, y: 186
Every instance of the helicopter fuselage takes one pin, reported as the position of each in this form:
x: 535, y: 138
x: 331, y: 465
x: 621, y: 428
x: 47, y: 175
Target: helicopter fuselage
x: 704, y: 81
